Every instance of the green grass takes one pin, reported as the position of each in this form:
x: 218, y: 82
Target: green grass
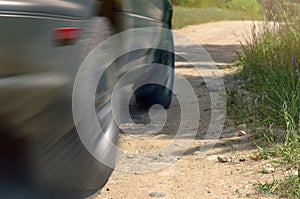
x: 192, y: 16
x: 268, y: 7
x: 288, y: 187
x: 252, y: 6
x: 270, y: 74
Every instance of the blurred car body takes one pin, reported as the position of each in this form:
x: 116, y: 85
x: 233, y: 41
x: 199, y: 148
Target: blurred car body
x: 42, y: 45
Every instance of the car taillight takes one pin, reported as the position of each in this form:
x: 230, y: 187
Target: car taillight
x: 66, y: 34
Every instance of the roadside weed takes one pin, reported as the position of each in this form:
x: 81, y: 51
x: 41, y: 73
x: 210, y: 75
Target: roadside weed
x: 270, y: 68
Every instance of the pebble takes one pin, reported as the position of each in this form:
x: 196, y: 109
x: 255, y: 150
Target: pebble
x: 241, y: 127
x: 155, y: 158
x: 255, y: 157
x: 130, y: 156
x: 242, y: 133
x: 223, y: 159
x: 242, y: 160
x: 157, y: 195
x: 269, y: 168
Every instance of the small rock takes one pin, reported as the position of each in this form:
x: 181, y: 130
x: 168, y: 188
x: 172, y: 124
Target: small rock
x: 130, y: 156
x: 242, y: 160
x: 157, y: 195
x: 223, y: 159
x: 209, y: 192
x: 268, y: 168
x: 241, y: 127
x: 237, y: 191
x: 242, y: 133
x: 197, y: 153
x: 255, y: 157
x: 155, y: 158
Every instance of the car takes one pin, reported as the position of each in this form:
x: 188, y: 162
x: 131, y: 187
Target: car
x: 43, y: 44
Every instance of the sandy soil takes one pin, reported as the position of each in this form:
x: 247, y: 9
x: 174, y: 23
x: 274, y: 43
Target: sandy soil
x: 191, y: 175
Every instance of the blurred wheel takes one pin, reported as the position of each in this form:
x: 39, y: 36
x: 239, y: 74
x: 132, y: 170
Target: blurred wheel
x: 150, y: 94
x: 63, y: 165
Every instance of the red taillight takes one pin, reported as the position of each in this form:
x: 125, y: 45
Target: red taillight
x: 67, y: 33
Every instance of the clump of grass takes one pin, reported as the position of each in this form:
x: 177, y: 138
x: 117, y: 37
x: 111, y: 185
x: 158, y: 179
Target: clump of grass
x: 192, y: 16
x: 270, y: 72
x: 270, y: 67
x: 288, y: 187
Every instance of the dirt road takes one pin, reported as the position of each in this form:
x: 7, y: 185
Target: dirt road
x: 191, y: 175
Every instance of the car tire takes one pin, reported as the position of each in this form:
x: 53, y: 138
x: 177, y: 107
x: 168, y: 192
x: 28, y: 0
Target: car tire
x: 151, y: 94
